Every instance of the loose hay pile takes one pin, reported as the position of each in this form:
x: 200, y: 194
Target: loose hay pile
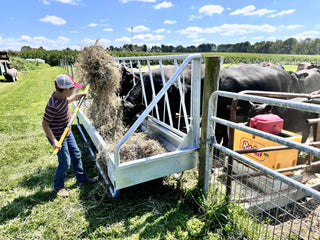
x: 105, y: 112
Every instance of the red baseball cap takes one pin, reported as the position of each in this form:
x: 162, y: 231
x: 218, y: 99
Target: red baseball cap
x: 64, y: 81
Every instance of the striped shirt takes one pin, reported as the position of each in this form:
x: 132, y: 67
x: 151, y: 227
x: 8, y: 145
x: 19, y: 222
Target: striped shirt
x: 57, y: 113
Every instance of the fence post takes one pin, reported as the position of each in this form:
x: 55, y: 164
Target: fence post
x: 210, y: 85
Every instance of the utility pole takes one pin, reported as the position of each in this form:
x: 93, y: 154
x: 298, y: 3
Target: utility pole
x: 132, y: 35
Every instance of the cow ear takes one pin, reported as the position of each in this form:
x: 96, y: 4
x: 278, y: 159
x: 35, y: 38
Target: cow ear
x: 268, y: 108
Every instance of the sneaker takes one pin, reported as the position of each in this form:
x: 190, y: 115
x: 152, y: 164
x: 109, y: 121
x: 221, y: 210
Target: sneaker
x: 89, y: 182
x: 61, y: 192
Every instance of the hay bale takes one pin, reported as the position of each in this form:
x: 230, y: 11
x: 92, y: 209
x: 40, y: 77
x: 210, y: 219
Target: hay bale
x: 105, y: 112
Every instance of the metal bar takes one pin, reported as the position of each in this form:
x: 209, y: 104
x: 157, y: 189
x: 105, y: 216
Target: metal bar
x: 134, y: 76
x: 279, y: 94
x: 142, y: 86
x: 280, y: 170
x: 166, y: 97
x: 263, y: 149
x: 152, y: 88
x: 312, y: 121
x: 271, y: 148
x: 182, y: 57
x: 182, y: 103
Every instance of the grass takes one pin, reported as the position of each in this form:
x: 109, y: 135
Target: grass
x: 160, y: 209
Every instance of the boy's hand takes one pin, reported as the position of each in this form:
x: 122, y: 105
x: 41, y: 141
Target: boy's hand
x: 79, y: 95
x: 55, y: 145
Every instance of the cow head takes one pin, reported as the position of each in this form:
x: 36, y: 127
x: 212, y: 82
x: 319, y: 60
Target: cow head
x: 127, y: 81
x: 256, y: 109
x: 130, y: 111
x: 297, y: 82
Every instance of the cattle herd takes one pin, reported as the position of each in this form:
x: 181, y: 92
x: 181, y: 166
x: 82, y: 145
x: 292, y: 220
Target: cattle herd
x: 235, y: 78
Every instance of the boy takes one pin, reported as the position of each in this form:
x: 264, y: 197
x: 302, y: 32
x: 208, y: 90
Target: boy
x: 55, y: 119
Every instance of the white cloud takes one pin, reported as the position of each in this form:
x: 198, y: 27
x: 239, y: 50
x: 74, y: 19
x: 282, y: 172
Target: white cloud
x: 148, y: 37
x: 306, y: 34
x: 243, y: 11
x: 285, y: 12
x: 123, y: 40
x: 89, y: 41
x: 199, y: 40
x: 209, y: 10
x: 291, y: 27
x: 250, y: 10
x: 257, y: 38
x: 160, y: 30
x: 229, y: 29
x: 35, y: 42
x: 191, y: 17
x: 93, y: 25
x: 108, y: 29
x: 137, y: 29
x: 125, y: 1
x: 164, y: 4
x: 54, y: 20
x: 170, y: 22
x: 72, y: 2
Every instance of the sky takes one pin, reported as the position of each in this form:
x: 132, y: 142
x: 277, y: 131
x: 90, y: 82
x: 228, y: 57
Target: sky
x: 58, y: 24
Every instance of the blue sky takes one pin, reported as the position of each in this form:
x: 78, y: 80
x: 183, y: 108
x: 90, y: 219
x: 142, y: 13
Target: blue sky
x: 57, y: 24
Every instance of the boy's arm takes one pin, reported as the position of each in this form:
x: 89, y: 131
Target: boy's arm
x: 49, y: 134
x: 76, y: 97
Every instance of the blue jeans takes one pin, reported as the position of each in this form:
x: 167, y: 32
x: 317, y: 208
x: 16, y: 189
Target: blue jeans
x: 69, y: 153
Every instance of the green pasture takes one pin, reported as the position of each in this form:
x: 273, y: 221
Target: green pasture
x: 160, y: 209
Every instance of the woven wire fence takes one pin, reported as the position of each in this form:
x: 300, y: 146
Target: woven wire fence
x: 272, y: 204
x: 270, y: 209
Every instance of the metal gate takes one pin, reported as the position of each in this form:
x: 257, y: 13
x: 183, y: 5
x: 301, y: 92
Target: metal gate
x: 182, y: 144
x: 275, y: 206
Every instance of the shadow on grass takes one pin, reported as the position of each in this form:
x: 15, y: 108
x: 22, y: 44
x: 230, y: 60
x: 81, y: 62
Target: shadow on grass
x: 23, y: 205
x: 151, y: 209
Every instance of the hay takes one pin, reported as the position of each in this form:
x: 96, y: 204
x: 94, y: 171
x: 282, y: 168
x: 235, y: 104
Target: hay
x: 105, y: 112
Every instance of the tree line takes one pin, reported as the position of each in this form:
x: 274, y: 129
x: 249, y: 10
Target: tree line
x: 289, y: 46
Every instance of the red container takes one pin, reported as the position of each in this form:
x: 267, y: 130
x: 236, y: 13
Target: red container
x: 270, y: 123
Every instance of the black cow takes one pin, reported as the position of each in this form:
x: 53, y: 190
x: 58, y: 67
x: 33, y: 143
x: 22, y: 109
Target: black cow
x: 249, y: 77
x: 127, y: 81
x: 293, y: 120
x: 306, y: 65
x: 233, y: 79
x: 308, y: 80
x: 133, y: 102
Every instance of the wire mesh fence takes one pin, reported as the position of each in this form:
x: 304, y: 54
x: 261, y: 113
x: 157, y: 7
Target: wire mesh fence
x: 274, y: 203
x: 271, y: 208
